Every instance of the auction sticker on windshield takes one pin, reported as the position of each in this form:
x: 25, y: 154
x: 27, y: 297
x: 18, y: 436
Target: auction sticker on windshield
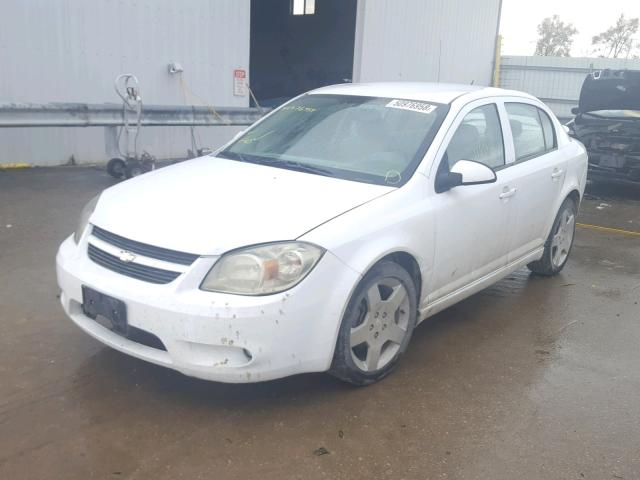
x: 412, y: 105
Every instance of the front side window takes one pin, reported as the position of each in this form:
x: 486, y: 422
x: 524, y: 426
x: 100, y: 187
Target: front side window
x: 478, y: 138
x: 366, y: 139
x: 529, y: 136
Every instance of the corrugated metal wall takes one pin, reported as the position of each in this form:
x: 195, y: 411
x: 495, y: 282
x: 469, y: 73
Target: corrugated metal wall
x: 426, y: 40
x: 555, y: 80
x: 72, y: 50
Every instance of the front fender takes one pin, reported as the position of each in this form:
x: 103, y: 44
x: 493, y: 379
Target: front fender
x: 401, y: 221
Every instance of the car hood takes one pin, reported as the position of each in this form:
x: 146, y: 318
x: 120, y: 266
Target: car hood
x: 610, y: 90
x: 211, y: 205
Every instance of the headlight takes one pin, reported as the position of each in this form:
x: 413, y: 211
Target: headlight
x: 84, y: 218
x: 263, y: 269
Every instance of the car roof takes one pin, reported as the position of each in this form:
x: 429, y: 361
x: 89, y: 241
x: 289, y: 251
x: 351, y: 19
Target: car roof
x: 424, y: 91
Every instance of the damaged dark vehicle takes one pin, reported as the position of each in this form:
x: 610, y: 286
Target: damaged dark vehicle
x: 607, y: 122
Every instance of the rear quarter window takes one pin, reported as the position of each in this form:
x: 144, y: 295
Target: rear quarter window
x: 548, y: 129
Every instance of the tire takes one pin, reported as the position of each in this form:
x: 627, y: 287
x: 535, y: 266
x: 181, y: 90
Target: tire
x: 134, y: 168
x: 558, y: 245
x: 377, y: 325
x: 117, y: 168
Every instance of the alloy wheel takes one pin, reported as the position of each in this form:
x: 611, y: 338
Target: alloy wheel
x: 381, y: 326
x: 562, y: 238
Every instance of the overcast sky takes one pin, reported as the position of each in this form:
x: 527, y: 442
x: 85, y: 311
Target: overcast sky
x: 520, y: 19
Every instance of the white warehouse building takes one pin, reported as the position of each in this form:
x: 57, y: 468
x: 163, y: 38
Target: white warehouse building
x: 70, y: 51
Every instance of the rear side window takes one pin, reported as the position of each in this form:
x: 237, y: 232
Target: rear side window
x: 532, y: 130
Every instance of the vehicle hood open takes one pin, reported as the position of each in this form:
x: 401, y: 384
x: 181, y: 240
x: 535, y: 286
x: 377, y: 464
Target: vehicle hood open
x: 210, y: 205
x: 610, y: 90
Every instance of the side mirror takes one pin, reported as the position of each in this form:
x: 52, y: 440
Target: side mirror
x: 474, y: 173
x: 465, y: 172
x: 575, y: 110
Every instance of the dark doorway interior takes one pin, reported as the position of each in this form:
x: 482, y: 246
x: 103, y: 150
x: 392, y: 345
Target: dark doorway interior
x: 291, y: 54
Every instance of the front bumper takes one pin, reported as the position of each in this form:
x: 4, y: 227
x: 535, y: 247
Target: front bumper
x: 214, y: 336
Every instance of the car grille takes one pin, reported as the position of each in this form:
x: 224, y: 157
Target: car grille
x: 150, y: 251
x: 130, y: 269
x: 103, y: 256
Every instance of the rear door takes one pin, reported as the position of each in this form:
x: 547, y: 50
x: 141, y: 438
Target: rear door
x: 538, y: 171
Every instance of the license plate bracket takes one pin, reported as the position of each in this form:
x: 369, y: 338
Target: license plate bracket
x: 95, y: 303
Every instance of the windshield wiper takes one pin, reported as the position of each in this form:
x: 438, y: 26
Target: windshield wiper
x: 302, y: 167
x: 292, y: 165
x: 275, y: 162
x: 233, y: 156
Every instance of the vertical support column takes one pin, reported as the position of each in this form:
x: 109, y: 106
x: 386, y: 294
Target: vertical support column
x: 496, y: 62
x: 356, y: 75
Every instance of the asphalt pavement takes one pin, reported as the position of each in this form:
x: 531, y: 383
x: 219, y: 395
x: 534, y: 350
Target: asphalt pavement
x: 533, y: 378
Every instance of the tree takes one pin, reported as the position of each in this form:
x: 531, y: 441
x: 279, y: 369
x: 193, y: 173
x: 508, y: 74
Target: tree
x: 617, y: 41
x: 555, y: 37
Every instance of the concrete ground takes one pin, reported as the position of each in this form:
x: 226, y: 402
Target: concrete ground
x: 531, y: 379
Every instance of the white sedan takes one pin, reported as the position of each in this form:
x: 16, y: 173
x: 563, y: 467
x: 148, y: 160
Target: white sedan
x: 317, y: 239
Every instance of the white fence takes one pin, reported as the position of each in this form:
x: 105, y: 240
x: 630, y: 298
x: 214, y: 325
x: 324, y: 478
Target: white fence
x: 555, y: 80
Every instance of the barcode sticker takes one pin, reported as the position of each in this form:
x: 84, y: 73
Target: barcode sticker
x: 412, y: 105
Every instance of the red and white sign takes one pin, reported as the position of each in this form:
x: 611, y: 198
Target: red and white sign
x: 239, y: 82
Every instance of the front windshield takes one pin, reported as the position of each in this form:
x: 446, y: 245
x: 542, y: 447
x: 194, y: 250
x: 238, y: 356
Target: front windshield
x: 365, y: 139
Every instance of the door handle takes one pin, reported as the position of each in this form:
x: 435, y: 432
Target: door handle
x: 506, y: 193
x: 557, y: 173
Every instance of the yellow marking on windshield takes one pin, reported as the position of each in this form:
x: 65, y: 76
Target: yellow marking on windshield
x: 299, y: 108
x: 249, y: 141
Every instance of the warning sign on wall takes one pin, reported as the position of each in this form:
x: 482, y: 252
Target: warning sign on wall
x: 239, y: 82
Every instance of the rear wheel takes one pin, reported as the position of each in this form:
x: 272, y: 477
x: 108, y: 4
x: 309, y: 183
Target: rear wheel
x: 559, y: 243
x: 377, y: 325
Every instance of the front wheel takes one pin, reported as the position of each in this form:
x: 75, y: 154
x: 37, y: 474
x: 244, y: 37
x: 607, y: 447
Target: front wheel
x: 559, y: 243
x: 377, y: 325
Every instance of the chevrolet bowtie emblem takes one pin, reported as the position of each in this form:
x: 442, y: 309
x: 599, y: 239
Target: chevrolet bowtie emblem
x: 126, y: 256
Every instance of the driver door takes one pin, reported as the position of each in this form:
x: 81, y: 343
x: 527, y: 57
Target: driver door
x: 472, y: 222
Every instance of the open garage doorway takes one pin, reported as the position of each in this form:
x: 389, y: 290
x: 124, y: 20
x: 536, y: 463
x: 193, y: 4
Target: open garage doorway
x: 298, y: 45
